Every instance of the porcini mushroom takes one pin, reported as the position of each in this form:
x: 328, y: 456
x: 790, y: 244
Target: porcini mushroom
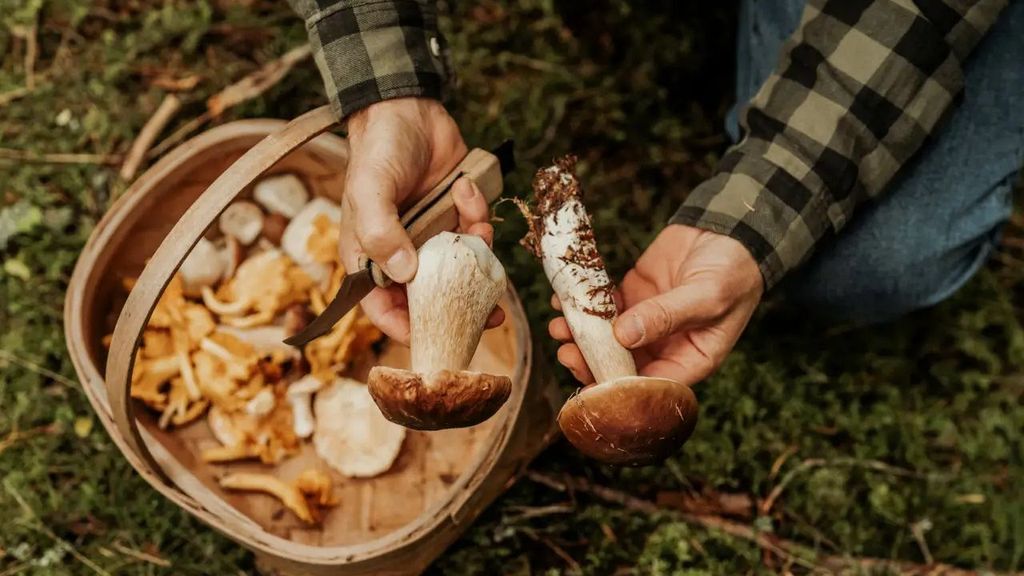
x: 458, y: 283
x: 623, y: 418
x: 282, y: 194
x: 351, y: 436
x: 243, y: 221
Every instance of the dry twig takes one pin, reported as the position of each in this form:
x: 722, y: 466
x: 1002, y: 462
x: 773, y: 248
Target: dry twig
x: 785, y: 549
x: 251, y: 86
x: 36, y: 368
x: 59, y: 157
x: 810, y: 463
x: 140, y: 555
x: 156, y: 123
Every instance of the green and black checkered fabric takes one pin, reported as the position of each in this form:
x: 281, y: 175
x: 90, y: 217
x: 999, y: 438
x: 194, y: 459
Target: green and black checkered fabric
x: 374, y: 50
x: 860, y: 86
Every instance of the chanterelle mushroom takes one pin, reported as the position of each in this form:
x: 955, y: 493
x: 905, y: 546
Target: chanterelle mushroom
x: 624, y: 418
x: 304, y: 229
x: 458, y: 283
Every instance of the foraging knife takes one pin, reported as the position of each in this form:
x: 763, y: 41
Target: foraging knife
x: 434, y: 213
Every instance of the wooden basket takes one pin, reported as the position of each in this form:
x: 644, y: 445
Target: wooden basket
x: 396, y: 523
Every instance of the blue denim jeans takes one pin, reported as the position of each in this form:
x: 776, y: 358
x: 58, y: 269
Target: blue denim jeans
x: 941, y: 217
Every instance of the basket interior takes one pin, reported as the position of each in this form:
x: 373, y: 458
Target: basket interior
x: 429, y: 463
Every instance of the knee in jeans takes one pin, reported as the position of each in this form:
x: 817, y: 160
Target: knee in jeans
x: 869, y: 288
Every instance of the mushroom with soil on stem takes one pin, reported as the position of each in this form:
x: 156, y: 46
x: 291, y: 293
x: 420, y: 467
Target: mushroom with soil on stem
x: 623, y: 418
x: 457, y: 285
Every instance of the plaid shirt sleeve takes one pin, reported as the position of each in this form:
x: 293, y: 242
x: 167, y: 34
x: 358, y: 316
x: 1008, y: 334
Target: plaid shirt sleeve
x: 860, y: 85
x: 373, y: 50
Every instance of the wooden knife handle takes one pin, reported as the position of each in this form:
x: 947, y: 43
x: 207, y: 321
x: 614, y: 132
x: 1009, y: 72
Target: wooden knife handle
x: 435, y: 212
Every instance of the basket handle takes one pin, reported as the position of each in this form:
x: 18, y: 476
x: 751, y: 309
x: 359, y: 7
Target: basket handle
x: 172, y: 252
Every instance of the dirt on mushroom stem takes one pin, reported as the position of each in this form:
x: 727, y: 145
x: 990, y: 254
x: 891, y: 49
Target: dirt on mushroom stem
x: 553, y: 188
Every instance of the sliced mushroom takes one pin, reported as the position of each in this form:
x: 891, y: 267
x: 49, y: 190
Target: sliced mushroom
x: 243, y: 221
x: 284, y: 194
x: 458, y: 283
x: 203, y: 266
x: 351, y: 434
x: 624, y: 418
x: 297, y: 236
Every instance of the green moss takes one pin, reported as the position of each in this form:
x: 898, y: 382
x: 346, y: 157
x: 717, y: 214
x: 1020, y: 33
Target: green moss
x: 639, y: 92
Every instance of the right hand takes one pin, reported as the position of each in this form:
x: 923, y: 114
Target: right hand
x: 399, y: 150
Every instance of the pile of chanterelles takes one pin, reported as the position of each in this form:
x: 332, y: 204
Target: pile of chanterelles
x: 214, y: 346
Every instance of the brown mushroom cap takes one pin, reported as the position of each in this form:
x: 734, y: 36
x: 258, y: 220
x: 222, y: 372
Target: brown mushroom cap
x: 443, y: 399
x: 633, y: 420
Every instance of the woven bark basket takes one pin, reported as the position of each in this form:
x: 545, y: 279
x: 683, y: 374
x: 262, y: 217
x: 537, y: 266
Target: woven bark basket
x: 396, y: 523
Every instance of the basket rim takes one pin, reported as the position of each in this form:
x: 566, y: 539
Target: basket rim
x: 431, y: 520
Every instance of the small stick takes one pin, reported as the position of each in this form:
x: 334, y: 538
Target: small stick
x: 143, y: 556
x: 156, y: 123
x: 37, y: 369
x: 251, y: 86
x: 787, y: 549
x: 31, y: 53
x: 809, y: 463
x: 258, y: 82
x: 59, y: 157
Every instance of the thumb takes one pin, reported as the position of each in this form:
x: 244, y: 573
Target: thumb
x: 372, y: 193
x: 664, y: 314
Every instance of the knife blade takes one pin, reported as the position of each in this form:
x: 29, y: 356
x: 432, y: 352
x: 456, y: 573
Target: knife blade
x: 431, y: 215
x: 354, y: 288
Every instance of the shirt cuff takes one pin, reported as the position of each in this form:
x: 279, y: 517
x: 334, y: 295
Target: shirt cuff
x: 764, y: 207
x: 377, y: 50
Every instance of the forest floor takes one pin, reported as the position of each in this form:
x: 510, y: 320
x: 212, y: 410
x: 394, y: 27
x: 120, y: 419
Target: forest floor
x: 820, y: 449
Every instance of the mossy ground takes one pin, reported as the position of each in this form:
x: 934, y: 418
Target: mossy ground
x: 639, y: 93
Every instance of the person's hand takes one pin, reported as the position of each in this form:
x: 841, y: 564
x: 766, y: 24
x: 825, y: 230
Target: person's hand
x: 684, y: 306
x: 399, y: 150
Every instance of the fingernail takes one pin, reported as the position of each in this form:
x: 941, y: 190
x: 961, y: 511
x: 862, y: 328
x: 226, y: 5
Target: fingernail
x: 630, y: 330
x: 401, y: 266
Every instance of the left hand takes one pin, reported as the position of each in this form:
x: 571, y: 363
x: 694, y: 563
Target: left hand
x: 685, y: 304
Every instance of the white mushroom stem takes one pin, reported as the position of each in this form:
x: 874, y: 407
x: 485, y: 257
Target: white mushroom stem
x: 300, y: 397
x: 457, y: 285
x: 561, y: 235
x: 261, y: 404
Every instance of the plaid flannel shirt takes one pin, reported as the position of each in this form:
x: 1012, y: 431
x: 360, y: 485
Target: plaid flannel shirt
x: 373, y: 50
x: 859, y: 87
